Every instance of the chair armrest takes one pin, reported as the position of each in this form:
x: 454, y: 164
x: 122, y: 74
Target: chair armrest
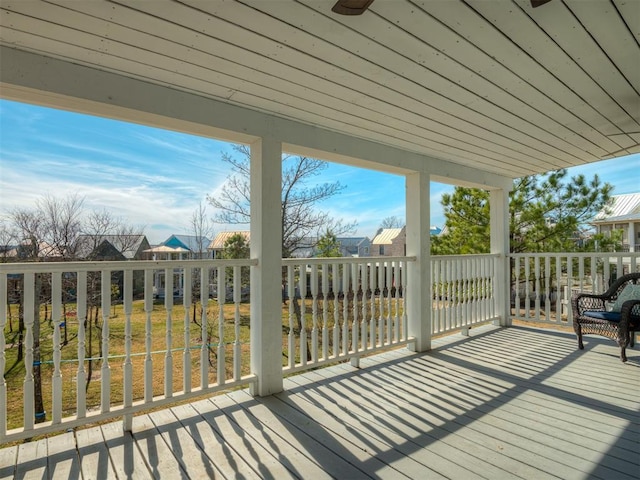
x: 588, y: 301
x: 630, y: 308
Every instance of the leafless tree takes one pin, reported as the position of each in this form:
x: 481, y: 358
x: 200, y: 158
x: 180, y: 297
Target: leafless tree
x: 62, y: 218
x: 302, y: 223
x: 391, y: 222
x: 201, y: 226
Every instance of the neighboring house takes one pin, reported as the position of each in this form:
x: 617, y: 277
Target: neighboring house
x: 389, y: 242
x: 112, y: 247
x: 177, y: 247
x: 623, y: 214
x: 354, y: 246
x: 190, y: 247
x: 216, y: 246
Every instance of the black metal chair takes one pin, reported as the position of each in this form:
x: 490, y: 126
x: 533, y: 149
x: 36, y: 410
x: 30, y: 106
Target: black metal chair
x: 590, y: 314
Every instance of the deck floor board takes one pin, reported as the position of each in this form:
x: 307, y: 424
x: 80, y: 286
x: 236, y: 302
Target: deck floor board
x: 516, y: 403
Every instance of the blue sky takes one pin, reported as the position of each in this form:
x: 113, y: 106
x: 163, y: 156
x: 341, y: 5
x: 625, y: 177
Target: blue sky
x: 156, y: 178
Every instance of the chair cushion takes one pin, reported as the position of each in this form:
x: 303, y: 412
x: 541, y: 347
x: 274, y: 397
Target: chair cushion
x: 630, y: 292
x: 608, y: 316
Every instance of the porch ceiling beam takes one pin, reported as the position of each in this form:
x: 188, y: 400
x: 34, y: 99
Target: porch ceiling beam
x: 33, y: 78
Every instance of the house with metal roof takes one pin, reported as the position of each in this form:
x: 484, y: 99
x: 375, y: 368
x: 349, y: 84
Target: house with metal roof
x: 389, y: 242
x: 217, y: 245
x: 623, y: 214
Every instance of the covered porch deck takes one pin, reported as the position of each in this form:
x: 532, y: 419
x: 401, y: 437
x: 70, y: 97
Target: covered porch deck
x: 516, y: 402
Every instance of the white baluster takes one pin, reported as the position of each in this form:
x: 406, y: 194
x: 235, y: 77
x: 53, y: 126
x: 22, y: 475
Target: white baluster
x: 105, y: 370
x: 204, y: 328
x: 363, y: 321
x: 29, y: 388
x: 355, y: 338
x: 381, y: 326
x: 186, y: 302
x: 389, y: 302
x: 127, y: 367
x: 303, y: 322
x: 336, y: 311
x: 148, y: 360
x: 222, y: 347
x: 537, y: 287
x: 56, y: 379
x: 325, y: 310
x: 168, y: 356
x: 3, y: 358
x: 372, y: 318
x: 314, y: 313
x: 81, y: 316
x: 397, y: 272
x: 405, y: 320
x: 237, y: 298
x: 547, y: 288
x: 291, y: 291
x: 345, y: 308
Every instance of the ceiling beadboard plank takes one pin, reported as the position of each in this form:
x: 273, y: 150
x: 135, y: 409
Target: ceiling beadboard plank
x: 435, y: 90
x: 629, y: 11
x: 612, y: 35
x: 176, y: 47
x: 263, y: 99
x: 417, y: 59
x: 495, y: 84
x: 339, y: 75
x: 216, y: 28
x: 547, y: 53
x: 561, y: 26
x: 492, y: 53
x: 551, y: 165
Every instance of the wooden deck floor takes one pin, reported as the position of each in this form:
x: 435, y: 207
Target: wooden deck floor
x: 500, y: 404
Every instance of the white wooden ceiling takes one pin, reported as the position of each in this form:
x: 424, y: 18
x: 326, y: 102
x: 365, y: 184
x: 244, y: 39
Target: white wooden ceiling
x: 497, y: 85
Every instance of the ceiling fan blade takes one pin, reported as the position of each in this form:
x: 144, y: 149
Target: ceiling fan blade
x: 351, y: 7
x: 537, y: 3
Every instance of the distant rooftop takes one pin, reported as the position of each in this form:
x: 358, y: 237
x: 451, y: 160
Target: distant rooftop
x: 624, y: 208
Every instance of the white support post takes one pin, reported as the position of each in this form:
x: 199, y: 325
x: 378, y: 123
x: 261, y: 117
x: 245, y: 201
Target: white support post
x: 499, y: 225
x: 266, y: 277
x: 418, y: 294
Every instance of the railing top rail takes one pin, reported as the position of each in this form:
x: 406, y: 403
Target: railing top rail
x: 575, y: 254
x: 91, y: 266
x: 467, y: 256
x: 319, y: 261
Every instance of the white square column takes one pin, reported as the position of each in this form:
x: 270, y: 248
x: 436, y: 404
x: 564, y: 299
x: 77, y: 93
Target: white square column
x: 418, y: 295
x: 499, y: 225
x: 266, y: 277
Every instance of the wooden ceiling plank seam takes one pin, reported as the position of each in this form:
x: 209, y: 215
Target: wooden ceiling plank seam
x: 489, y: 116
x: 540, y: 110
x: 477, y: 103
x: 443, y: 39
x: 517, y: 22
x: 320, y: 103
x: 565, y: 33
x: 107, y: 45
x: 607, y: 28
x: 573, y: 42
x: 181, y: 16
x: 99, y: 27
x: 338, y: 124
x: 628, y: 10
x: 556, y: 70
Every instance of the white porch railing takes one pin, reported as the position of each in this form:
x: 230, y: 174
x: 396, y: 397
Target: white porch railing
x: 543, y: 283
x: 343, y: 308
x: 109, y: 348
x: 61, y: 316
x: 463, y: 290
